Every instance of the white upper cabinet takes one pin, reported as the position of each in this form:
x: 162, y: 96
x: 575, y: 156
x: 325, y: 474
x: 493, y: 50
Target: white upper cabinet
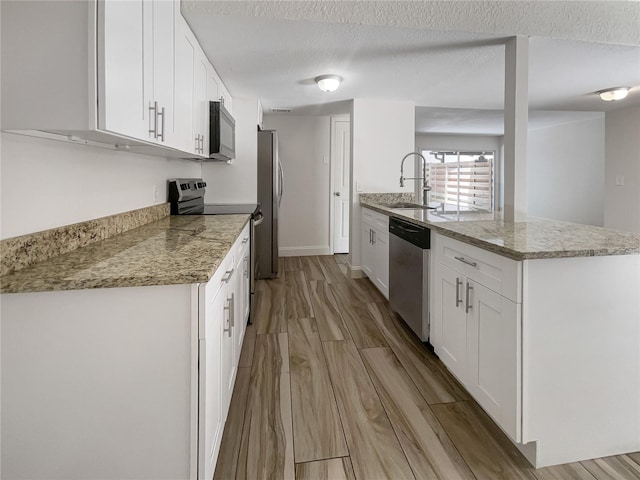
x: 192, y: 104
x: 185, y: 62
x: 123, y: 105
x: 201, y: 103
x: 135, y: 56
x: 129, y: 74
x: 161, y: 53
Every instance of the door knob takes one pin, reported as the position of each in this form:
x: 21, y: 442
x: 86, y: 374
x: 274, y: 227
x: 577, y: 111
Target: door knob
x: 337, y: 194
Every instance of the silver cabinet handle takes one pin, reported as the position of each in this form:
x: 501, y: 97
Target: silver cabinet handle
x: 468, y: 307
x: 458, y: 284
x: 373, y: 236
x: 197, y: 147
x: 154, y: 109
x: 202, y: 144
x: 246, y: 266
x: 227, y: 276
x: 229, y: 308
x: 161, y: 135
x: 232, y: 315
x: 468, y: 262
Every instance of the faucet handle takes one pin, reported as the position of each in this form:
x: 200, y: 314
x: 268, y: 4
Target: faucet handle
x: 401, y: 181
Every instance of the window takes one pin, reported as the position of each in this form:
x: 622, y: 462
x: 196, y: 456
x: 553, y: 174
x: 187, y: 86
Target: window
x: 461, y: 181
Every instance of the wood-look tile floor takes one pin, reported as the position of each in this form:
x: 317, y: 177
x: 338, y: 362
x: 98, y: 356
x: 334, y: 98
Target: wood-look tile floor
x: 332, y: 385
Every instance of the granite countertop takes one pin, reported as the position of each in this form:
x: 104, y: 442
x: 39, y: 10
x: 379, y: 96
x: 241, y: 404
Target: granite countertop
x: 172, y: 250
x: 535, y: 238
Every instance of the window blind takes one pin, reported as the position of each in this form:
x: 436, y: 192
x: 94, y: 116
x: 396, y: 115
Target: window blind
x: 467, y: 184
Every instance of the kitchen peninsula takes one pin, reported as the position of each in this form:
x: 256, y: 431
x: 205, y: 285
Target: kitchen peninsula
x: 540, y: 321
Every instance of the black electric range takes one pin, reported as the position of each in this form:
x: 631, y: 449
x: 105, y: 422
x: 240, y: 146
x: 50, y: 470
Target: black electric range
x: 186, y: 197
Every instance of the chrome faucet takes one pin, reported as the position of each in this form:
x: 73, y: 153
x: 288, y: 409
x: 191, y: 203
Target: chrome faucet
x: 425, y: 184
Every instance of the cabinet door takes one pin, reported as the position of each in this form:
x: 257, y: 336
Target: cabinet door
x: 381, y: 247
x: 368, y: 254
x: 493, y: 343
x: 212, y: 84
x: 185, y: 60
x: 201, y: 102
x: 163, y: 58
x: 226, y: 350
x: 211, y: 413
x: 246, y: 283
x: 122, y: 104
x: 449, y: 320
x: 239, y: 307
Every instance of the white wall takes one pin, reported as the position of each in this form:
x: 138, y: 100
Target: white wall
x: 622, y: 151
x: 237, y: 182
x: 48, y: 183
x: 304, y: 149
x: 460, y: 142
x: 382, y: 132
x: 565, y: 172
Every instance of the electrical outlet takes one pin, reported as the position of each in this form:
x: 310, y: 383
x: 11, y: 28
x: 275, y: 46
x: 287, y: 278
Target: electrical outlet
x: 619, y: 180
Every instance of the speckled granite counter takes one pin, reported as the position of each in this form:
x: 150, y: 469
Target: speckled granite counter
x: 536, y: 238
x: 172, y: 250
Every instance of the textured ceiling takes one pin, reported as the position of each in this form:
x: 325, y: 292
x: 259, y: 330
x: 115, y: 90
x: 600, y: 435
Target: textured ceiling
x: 418, y: 51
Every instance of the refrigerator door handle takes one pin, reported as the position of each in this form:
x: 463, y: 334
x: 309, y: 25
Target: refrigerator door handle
x: 281, y: 183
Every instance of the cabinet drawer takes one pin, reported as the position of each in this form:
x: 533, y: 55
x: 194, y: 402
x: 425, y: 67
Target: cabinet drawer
x: 498, y: 273
x: 377, y: 220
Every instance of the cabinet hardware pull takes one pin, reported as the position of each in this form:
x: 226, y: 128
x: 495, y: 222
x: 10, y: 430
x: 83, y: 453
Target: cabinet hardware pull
x: 232, y: 315
x: 468, y: 262
x: 202, y: 144
x: 458, y: 284
x: 468, y: 307
x: 161, y: 135
x: 227, y: 276
x: 373, y: 237
x: 197, y: 147
x: 154, y: 109
x: 228, y: 308
x: 246, y: 266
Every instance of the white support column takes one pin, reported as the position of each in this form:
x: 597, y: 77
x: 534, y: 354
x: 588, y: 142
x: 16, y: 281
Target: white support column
x: 516, y: 119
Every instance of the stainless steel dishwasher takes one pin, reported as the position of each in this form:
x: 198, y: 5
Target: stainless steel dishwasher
x: 409, y: 274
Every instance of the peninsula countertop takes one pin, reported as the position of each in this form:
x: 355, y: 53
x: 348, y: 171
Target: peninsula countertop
x: 173, y: 250
x: 531, y: 239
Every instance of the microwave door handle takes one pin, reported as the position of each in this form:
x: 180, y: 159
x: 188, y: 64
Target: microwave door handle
x: 281, y: 184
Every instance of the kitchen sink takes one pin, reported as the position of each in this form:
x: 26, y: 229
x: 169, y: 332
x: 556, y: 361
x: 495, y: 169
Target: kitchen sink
x: 409, y: 206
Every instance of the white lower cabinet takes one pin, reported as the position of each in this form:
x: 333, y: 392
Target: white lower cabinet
x: 547, y: 347
x: 476, y: 332
x: 375, y: 249
x: 211, y: 399
x: 224, y: 298
x: 146, y: 373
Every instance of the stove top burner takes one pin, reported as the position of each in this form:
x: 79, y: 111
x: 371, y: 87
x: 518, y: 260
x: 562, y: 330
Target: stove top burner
x: 186, y: 196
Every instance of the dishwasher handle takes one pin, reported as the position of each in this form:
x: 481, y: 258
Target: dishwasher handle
x: 418, y: 235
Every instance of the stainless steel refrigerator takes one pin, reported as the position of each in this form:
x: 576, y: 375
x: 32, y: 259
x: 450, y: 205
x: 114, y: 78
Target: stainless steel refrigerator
x: 270, y: 188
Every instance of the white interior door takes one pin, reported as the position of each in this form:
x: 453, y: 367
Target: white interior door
x: 340, y: 181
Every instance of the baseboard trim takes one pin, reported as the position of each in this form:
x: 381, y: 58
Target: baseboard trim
x: 303, y: 251
x: 355, y: 271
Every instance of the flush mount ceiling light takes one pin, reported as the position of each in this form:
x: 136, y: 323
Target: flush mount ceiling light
x: 328, y: 83
x: 611, y: 94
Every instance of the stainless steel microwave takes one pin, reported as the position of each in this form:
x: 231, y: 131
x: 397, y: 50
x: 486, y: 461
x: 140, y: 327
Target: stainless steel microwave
x: 222, y: 133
